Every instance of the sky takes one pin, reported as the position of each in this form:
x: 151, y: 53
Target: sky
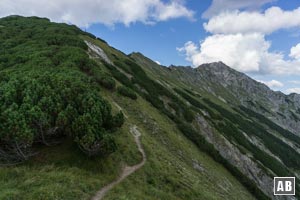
x: 258, y: 37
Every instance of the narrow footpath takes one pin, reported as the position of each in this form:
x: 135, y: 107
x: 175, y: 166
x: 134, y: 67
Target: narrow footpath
x: 127, y: 170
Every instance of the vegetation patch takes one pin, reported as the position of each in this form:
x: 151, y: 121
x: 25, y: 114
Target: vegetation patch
x: 127, y: 92
x: 47, y: 92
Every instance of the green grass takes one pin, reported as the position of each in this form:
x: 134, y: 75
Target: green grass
x: 64, y: 172
x: 168, y: 172
x: 57, y: 173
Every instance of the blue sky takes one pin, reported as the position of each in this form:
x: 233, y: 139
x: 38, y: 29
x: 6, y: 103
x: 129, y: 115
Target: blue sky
x: 258, y: 37
x: 158, y: 41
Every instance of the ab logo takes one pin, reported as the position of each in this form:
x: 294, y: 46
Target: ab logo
x: 284, y: 186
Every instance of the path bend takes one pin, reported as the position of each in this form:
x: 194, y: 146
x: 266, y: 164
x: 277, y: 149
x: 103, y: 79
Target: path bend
x: 127, y: 170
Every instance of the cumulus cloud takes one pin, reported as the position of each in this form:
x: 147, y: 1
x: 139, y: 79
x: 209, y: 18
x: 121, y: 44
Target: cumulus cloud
x: 271, y: 20
x: 87, y: 12
x: 272, y: 83
x: 243, y: 52
x: 293, y: 90
x: 295, y: 52
x: 238, y: 39
x: 219, y: 6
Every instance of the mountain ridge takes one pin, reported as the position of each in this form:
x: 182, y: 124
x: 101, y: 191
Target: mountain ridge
x: 227, y: 77
x: 207, y: 133
x: 207, y: 82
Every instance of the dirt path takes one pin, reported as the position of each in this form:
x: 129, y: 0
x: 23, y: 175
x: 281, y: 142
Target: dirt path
x: 126, y: 170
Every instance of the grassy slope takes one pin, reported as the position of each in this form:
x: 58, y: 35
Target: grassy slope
x: 167, y: 147
x: 173, y: 80
x: 169, y: 172
x: 157, y: 72
x: 63, y: 172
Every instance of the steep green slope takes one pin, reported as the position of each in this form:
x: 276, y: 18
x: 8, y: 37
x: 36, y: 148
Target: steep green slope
x: 170, y: 104
x: 55, y: 56
x: 273, y: 149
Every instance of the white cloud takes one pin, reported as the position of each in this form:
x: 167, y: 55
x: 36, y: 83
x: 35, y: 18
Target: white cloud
x: 219, y: 6
x: 243, y: 52
x: 295, y: 52
x: 238, y: 40
x: 293, y: 90
x: 157, y: 62
x: 272, y: 83
x: 271, y: 20
x: 86, y: 12
x: 172, y: 10
x: 295, y: 82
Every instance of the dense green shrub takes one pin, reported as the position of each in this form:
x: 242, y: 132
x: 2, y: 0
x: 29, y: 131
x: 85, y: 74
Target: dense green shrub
x: 35, y: 106
x: 127, y: 92
x: 107, y: 82
x: 44, y: 94
x: 198, y: 104
x: 119, y: 75
x: 123, y: 66
x: 117, y: 121
x: 188, y: 115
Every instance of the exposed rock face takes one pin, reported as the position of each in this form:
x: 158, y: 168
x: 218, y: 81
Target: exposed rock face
x: 98, y: 51
x: 282, y: 109
x: 242, y: 161
x: 237, y: 88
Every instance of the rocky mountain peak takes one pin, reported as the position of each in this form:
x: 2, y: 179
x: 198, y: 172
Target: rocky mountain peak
x: 216, y: 66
